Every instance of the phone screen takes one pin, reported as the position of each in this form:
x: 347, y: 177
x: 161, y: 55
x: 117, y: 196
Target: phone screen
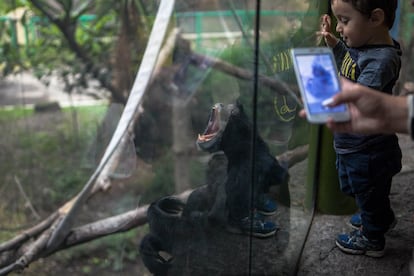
x: 317, y: 74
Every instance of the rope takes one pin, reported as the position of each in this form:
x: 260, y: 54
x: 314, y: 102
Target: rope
x: 132, y: 107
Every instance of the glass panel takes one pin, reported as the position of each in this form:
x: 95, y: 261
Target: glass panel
x: 207, y: 171
x: 285, y: 134
x: 215, y: 86
x: 405, y: 35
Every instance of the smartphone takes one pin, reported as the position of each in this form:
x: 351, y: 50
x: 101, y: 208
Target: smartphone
x: 318, y: 81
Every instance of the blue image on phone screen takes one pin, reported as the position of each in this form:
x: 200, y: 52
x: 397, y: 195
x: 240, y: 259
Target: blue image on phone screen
x: 319, y: 81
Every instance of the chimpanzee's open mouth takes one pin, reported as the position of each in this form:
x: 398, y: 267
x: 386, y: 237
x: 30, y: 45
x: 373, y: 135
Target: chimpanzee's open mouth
x: 211, y: 137
x: 213, y: 126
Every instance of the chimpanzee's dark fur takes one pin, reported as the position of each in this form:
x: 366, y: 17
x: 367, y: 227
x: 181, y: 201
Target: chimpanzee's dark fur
x: 170, y: 233
x: 233, y: 135
x: 226, y: 194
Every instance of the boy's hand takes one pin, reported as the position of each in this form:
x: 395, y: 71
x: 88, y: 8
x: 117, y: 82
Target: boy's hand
x: 325, y: 31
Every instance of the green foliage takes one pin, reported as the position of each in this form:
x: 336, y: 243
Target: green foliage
x: 10, y: 55
x: 66, y: 183
x: 300, y: 134
x: 96, y: 35
x: 75, y: 45
x: 45, y: 156
x: 162, y: 183
x: 8, y: 5
x: 48, y: 154
x: 14, y: 114
x: 197, y: 174
x: 94, y: 111
x: 95, y: 38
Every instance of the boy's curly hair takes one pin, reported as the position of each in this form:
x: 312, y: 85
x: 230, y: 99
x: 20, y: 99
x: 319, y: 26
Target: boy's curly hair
x: 367, y: 6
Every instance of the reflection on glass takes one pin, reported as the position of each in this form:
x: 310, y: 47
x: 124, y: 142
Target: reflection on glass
x: 235, y: 219
x: 219, y: 198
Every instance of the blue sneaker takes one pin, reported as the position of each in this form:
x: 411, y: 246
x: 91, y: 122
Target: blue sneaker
x: 356, y: 243
x: 356, y: 222
x: 266, y: 206
x: 258, y: 228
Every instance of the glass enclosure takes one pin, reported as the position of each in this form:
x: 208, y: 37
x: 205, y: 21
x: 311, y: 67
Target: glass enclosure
x: 204, y: 170
x: 215, y: 74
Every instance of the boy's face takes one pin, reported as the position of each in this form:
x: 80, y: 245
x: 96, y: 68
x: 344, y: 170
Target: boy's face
x: 352, y: 25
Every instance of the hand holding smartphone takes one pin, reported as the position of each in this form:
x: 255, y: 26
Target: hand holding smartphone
x: 318, y: 82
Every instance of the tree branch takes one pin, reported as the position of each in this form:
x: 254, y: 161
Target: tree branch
x: 67, y: 26
x: 11, y: 250
x: 28, y: 234
x: 225, y: 67
x: 26, y: 198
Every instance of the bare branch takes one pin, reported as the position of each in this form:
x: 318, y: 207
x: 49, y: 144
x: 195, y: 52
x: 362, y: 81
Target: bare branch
x: 28, y: 234
x: 32, y: 252
x: 26, y: 198
x: 115, y: 224
x: 11, y: 250
x: 225, y: 67
x: 121, y: 223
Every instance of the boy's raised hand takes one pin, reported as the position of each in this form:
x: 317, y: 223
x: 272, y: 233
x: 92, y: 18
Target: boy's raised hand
x: 325, y: 31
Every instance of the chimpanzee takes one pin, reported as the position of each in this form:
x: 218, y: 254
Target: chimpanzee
x: 229, y: 130
x: 228, y: 199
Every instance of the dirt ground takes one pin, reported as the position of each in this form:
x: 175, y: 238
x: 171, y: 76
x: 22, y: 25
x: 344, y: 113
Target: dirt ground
x: 322, y: 257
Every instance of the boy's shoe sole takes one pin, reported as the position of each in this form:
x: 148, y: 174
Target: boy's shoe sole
x: 355, y: 243
x: 373, y: 253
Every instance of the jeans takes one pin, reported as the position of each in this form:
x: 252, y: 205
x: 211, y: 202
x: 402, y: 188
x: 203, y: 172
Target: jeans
x: 367, y: 176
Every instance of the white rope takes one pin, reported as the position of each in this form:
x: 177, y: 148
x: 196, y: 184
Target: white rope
x: 132, y: 106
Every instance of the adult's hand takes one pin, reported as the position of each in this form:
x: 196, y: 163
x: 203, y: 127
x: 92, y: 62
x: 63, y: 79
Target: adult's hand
x: 371, y: 111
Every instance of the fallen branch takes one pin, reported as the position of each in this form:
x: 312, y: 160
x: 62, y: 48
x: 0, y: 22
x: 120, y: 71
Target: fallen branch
x: 30, y: 253
x: 15, y: 256
x: 28, y: 234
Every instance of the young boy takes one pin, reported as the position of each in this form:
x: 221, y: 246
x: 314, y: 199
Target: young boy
x: 366, y: 54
